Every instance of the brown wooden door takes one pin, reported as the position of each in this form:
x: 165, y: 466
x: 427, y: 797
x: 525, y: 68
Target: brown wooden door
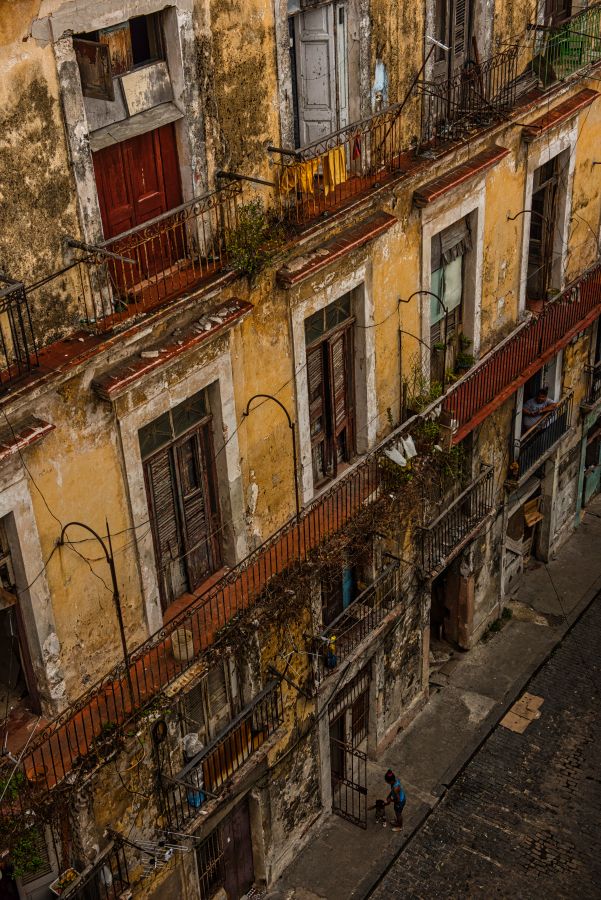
x: 236, y: 842
x: 452, y: 21
x: 185, y: 514
x: 557, y: 11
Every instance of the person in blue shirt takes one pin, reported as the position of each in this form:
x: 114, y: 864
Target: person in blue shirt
x: 397, y: 797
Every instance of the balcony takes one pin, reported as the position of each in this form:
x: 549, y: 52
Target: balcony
x: 476, y: 97
x: 349, y: 629
x: 18, y: 353
x: 567, y: 48
x: 205, y: 776
x: 538, y: 441
x: 160, y: 260
x: 511, y: 363
x: 346, y: 164
x: 107, y: 878
x: 453, y: 528
x: 593, y: 394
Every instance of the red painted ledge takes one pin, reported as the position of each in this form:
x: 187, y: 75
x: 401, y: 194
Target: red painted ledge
x: 440, y: 186
x: 558, y: 114
x: 116, y: 381
x: 350, y: 239
x: 26, y: 433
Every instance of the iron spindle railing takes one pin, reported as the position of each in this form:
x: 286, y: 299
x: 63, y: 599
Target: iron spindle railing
x: 457, y: 522
x: 543, y: 436
x: 160, y: 259
x: 107, y: 878
x: 566, y: 48
x: 18, y: 351
x: 514, y: 360
x: 593, y: 393
x: 360, y: 618
x: 474, y: 97
x: 207, y: 774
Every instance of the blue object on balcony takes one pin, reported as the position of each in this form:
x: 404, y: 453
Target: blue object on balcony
x: 195, y: 799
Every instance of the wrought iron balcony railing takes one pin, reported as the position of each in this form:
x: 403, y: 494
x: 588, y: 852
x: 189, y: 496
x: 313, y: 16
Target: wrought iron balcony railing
x: 535, y: 443
x: 569, y: 47
x: 107, y: 878
x: 322, y: 175
x: 18, y: 352
x: 475, y: 97
x: 460, y: 520
x: 162, y: 259
x: 349, y: 629
x: 512, y: 362
x: 205, y: 776
x: 593, y: 394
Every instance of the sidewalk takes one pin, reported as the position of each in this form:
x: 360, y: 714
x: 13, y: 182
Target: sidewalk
x: 468, y: 697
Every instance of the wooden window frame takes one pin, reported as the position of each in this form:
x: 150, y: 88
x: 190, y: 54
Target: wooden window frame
x: 202, y: 430
x: 546, y: 219
x: 328, y: 437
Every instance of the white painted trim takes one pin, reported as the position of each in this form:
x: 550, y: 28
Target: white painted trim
x: 218, y: 373
x: 538, y: 155
x: 365, y: 369
x: 34, y: 594
x: 435, y: 218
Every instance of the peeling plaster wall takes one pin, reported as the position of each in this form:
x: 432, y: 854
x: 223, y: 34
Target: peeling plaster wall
x: 37, y: 203
x: 241, y: 88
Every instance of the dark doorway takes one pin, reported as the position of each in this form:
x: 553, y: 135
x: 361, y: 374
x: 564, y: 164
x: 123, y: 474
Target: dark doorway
x: 225, y: 858
x: 17, y: 681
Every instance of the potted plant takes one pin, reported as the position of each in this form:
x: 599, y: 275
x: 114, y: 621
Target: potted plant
x: 60, y: 884
x: 464, y: 360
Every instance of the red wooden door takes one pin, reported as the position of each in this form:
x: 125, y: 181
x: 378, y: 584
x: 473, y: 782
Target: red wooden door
x: 137, y: 180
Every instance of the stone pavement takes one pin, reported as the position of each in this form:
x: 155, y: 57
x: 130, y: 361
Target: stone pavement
x: 522, y: 820
x: 341, y: 861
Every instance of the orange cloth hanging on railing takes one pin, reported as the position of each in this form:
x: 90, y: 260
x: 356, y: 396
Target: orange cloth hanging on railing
x: 300, y: 177
x: 334, y: 169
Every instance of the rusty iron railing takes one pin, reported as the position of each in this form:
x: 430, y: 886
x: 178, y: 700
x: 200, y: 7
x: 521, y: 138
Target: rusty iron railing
x: 542, y: 437
x: 107, y: 878
x: 593, y: 394
x: 510, y: 364
x: 349, y: 629
x: 342, y: 165
x: 476, y: 96
x: 450, y: 529
x: 18, y: 351
x: 563, y: 50
x: 162, y: 259
x: 207, y: 774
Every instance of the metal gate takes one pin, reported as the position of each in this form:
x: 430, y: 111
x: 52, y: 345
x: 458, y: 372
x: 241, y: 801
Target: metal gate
x: 349, y: 782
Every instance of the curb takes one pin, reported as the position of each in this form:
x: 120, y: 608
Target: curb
x: 490, y: 723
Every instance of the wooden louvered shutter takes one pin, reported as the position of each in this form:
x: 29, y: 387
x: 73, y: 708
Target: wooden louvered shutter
x: 167, y: 538
x: 557, y: 11
x: 442, y: 11
x: 340, y: 394
x: 194, y: 705
x: 219, y: 707
x: 317, y: 414
x: 195, y: 514
x: 460, y: 33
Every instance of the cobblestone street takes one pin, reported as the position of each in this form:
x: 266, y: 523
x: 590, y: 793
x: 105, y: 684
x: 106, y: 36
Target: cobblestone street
x: 523, y: 818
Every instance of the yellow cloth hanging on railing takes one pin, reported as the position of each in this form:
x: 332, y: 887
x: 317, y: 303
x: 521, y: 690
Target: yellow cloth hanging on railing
x: 300, y: 177
x: 334, y: 169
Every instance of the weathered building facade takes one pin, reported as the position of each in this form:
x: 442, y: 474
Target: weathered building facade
x: 280, y: 286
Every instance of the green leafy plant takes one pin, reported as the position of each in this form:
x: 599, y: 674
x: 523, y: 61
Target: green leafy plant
x: 255, y: 240
x: 11, y: 787
x: 25, y: 855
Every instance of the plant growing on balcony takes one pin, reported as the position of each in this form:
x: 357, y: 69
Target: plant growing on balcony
x: 464, y: 360
x: 25, y: 855
x: 255, y: 240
